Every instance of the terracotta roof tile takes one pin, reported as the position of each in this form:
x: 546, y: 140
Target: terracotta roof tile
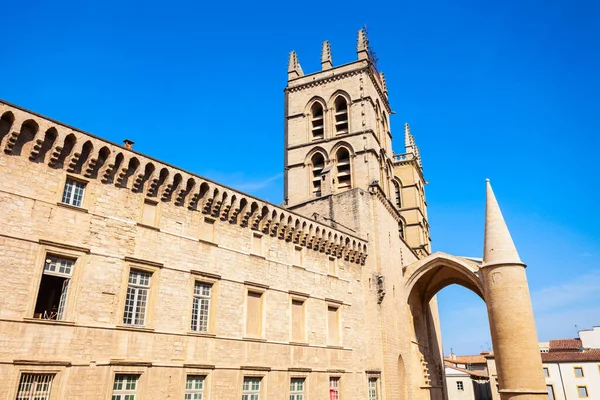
x: 565, y: 344
x: 478, y: 374
x: 478, y: 359
x: 574, y: 356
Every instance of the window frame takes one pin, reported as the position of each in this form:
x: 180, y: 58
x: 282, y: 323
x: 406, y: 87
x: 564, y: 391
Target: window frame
x: 338, y: 165
x: 338, y: 307
x: 550, y: 387
x: 250, y: 393
x: 575, y: 368
x: 210, y: 312
x: 336, y: 388
x: 336, y: 113
x: 76, y: 180
x: 137, y: 393
x: 460, y: 386
x: 193, y: 391
x: 311, y: 122
x: 297, y: 394
x: 375, y: 387
x: 37, y: 373
x: 587, y: 392
x: 154, y: 272
x: 546, y: 372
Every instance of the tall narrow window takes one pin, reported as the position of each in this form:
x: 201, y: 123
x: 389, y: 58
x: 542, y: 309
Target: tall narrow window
x: 550, y: 390
x: 54, y: 288
x: 318, y: 163
x: 373, y: 389
x: 73, y: 192
x: 125, y: 387
x: 317, y: 121
x: 341, y: 115
x: 137, y: 298
x: 298, y: 330
x: 251, y: 389
x: 200, y: 307
x: 254, y: 314
x: 401, y: 229
x: 343, y: 168
x: 333, y: 325
x: 397, y: 194
x: 297, y: 389
x: 546, y: 373
x: 194, y: 387
x: 35, y: 387
x: 334, y: 388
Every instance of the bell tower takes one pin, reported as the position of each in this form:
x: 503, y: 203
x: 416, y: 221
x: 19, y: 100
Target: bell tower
x: 338, y: 139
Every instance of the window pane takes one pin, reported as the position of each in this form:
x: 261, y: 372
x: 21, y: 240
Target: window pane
x: 582, y: 391
x: 35, y: 387
x: 550, y: 390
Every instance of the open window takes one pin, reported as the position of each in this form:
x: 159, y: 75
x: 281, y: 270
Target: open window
x: 317, y: 121
x: 54, y: 288
x: 344, y: 179
x: 318, y: 163
x: 341, y: 115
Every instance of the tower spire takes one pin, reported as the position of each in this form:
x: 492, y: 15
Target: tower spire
x: 409, y: 144
x: 362, y: 47
x: 294, y: 68
x: 326, y: 61
x: 499, y: 247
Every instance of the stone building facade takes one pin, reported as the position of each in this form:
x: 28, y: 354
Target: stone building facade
x: 128, y: 278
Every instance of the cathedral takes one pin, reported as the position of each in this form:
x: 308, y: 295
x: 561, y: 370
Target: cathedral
x: 127, y: 278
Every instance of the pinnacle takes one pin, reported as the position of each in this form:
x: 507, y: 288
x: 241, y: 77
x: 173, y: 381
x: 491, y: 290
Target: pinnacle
x: 499, y: 247
x: 326, y: 61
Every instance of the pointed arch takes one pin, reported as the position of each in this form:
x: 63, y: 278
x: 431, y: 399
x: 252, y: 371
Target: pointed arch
x: 341, y: 114
x: 27, y: 133
x: 317, y: 165
x: 46, y: 144
x: 6, y: 123
x: 316, y: 119
x: 86, y: 151
x: 343, y: 168
x: 67, y: 148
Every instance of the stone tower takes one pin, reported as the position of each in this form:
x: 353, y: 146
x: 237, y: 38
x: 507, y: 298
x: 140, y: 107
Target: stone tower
x: 338, y: 138
x: 510, y: 313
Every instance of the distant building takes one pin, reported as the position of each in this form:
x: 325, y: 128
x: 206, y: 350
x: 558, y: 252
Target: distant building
x: 571, y: 367
x: 467, y: 377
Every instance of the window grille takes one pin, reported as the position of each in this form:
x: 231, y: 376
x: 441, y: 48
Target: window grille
x: 35, y: 387
x: 137, y: 298
x: 200, y: 307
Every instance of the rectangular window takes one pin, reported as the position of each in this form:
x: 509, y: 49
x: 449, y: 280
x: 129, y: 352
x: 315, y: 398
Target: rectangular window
x: 200, y: 307
x: 297, y: 389
x: 298, y: 331
x: 149, y: 213
x: 254, y: 314
x: 333, y: 325
x: 582, y: 392
x: 334, y: 388
x: 550, y: 390
x: 125, y: 387
x: 137, y: 298
x: 35, y: 387
x: 194, y: 387
x: 251, y: 389
x: 373, y: 389
x: 459, y: 385
x: 73, y: 192
x: 578, y: 372
x: 54, y: 288
x: 546, y: 373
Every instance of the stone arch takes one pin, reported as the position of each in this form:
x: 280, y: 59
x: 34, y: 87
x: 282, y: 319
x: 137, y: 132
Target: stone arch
x: 127, y: 172
x: 86, y: 151
x: 66, y: 149
x: 438, y: 270
x: 315, y: 112
x: 27, y: 133
x: 340, y: 103
x: 6, y: 122
x: 38, y: 154
x: 142, y: 178
x: 103, y: 155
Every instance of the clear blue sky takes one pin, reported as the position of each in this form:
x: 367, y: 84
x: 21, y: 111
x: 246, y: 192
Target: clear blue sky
x: 509, y: 91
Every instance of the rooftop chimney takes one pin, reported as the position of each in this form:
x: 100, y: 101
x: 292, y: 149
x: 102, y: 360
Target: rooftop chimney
x: 128, y: 143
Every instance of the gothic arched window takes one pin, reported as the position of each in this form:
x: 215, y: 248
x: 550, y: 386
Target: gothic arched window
x: 398, y: 195
x: 341, y: 115
x: 318, y: 163
x: 344, y: 179
x: 317, y: 127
